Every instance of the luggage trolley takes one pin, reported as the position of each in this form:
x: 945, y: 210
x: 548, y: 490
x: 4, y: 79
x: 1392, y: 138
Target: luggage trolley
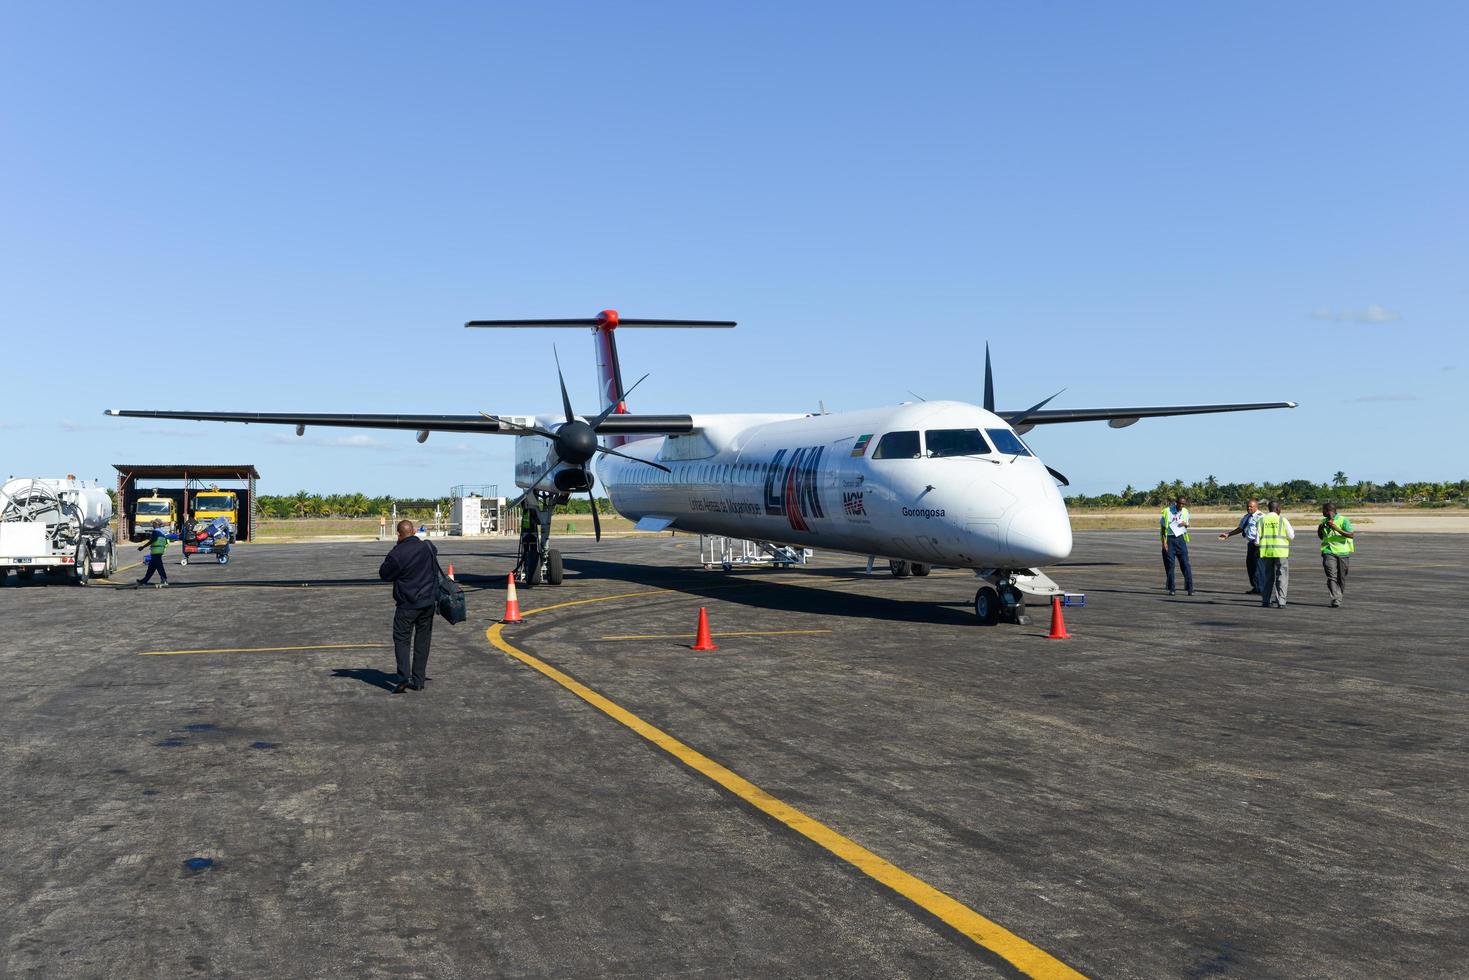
x: 212, y: 540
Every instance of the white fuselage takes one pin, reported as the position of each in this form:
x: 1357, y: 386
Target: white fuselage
x: 830, y: 482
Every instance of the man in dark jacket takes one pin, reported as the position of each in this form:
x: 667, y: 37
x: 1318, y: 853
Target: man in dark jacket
x: 412, y: 567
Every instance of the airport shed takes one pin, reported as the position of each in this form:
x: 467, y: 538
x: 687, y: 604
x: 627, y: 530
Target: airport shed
x: 194, y: 478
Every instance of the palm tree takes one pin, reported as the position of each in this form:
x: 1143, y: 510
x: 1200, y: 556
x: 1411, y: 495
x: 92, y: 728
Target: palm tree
x: 1339, y: 480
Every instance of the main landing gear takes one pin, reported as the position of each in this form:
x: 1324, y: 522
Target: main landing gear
x: 537, y: 561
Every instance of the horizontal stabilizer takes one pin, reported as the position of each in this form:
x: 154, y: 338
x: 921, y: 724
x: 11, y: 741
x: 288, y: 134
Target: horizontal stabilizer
x: 591, y: 323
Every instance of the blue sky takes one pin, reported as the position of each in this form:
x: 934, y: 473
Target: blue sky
x: 283, y: 207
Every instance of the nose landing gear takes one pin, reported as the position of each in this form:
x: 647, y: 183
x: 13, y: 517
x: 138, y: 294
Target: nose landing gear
x: 1004, y: 600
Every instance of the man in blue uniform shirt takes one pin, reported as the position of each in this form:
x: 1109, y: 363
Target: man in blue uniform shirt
x: 1249, y: 526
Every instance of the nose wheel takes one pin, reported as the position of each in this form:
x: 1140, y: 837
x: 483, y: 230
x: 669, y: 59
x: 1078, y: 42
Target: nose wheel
x: 1001, y: 601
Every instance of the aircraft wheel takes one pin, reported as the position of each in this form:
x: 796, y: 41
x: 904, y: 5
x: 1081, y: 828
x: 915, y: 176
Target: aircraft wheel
x: 920, y: 569
x: 900, y: 569
x: 987, y: 606
x: 555, y: 570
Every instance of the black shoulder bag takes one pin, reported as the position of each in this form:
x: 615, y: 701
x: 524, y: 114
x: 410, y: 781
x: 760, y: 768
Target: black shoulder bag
x: 450, y: 595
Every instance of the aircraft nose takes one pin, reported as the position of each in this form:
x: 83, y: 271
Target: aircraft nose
x: 1039, y: 535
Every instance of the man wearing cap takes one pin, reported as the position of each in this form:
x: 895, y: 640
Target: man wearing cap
x: 1338, y: 541
x: 156, y: 544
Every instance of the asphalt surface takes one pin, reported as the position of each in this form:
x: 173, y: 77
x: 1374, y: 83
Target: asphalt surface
x: 1190, y: 787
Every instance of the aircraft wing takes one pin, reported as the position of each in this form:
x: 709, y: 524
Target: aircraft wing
x: 613, y: 424
x: 1119, y: 418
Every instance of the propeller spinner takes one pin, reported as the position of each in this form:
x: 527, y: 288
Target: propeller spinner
x: 574, y: 443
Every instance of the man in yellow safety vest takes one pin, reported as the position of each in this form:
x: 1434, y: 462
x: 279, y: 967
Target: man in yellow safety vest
x: 1173, y: 530
x: 1275, y: 537
x: 1338, y: 541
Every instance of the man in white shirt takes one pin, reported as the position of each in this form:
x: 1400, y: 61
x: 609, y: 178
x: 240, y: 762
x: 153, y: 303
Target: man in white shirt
x: 1249, y: 527
x: 1173, y: 531
x: 1276, y: 534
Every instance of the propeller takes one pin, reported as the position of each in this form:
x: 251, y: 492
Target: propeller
x: 1018, y: 420
x: 574, y: 442
x: 989, y: 381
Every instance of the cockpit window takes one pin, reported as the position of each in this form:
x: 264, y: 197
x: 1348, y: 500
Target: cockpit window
x: 1008, y: 442
x: 956, y: 442
x: 897, y: 445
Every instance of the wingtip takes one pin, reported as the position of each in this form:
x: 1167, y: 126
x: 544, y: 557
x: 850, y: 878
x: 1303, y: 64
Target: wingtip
x: 1292, y: 404
x: 112, y: 411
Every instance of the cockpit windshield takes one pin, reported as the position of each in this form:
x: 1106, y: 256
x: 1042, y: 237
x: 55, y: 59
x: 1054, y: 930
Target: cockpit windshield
x: 956, y: 442
x: 154, y: 508
x: 1008, y: 442
x: 216, y: 501
x: 897, y: 445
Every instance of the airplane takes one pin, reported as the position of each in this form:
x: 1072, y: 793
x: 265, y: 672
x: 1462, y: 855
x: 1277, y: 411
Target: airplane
x: 922, y: 485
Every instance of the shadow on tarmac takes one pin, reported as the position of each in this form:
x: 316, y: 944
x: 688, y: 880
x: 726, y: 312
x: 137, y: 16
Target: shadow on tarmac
x: 368, y: 675
x: 775, y: 596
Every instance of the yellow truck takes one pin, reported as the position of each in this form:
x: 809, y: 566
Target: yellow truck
x: 206, y: 505
x: 154, y: 508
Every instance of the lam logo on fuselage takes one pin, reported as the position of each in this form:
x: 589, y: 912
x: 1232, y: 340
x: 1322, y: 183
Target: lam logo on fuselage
x: 792, y: 486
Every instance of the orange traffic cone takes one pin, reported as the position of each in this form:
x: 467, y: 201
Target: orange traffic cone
x: 1058, y: 621
x: 512, y: 603
x: 703, y: 641
x: 451, y: 571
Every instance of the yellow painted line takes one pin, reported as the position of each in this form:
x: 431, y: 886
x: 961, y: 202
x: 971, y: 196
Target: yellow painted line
x: 1026, y: 957
x: 315, y: 646
x: 685, y: 636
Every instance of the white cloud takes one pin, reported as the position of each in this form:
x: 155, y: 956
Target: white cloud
x: 1371, y: 314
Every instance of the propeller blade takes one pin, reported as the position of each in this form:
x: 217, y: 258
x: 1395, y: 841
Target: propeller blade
x: 622, y: 397
x: 1016, y: 421
x: 565, y: 398
x: 645, y: 462
x: 596, y: 521
x: 516, y: 427
x: 989, y: 381
x: 1060, y: 477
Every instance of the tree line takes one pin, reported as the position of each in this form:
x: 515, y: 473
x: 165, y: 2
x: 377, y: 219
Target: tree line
x: 1290, y: 493
x: 356, y: 505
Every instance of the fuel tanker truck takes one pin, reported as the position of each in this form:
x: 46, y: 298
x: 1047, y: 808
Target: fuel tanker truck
x: 57, y: 526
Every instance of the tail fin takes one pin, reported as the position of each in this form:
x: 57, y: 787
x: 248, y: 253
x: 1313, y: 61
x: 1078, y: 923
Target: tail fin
x: 609, y: 370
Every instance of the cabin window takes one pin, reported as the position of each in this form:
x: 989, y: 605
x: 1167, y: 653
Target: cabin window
x: 1008, y: 442
x: 898, y: 445
x: 956, y: 442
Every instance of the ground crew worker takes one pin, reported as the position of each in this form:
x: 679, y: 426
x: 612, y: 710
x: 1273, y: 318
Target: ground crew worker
x: 1338, y: 541
x: 1275, y: 537
x: 156, y: 544
x: 1173, y: 530
x: 1249, y: 526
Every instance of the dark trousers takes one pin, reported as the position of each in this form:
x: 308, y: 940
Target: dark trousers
x: 1336, y: 574
x: 155, y: 564
x: 1177, y: 550
x: 415, y: 626
x: 1252, y: 564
